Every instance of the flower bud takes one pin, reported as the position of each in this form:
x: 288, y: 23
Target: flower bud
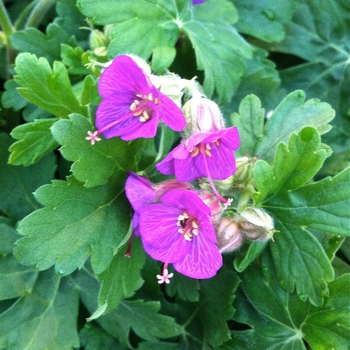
x: 228, y: 235
x: 98, y: 43
x: 201, y: 115
x: 213, y: 202
x: 244, y: 171
x: 162, y: 187
x: 256, y: 224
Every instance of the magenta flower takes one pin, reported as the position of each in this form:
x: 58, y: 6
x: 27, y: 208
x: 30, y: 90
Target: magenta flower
x: 204, y: 154
x: 178, y: 230
x: 140, y: 192
x: 197, y: 2
x: 131, y: 106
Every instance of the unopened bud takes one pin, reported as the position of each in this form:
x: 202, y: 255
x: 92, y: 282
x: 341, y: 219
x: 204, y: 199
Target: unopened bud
x: 213, y: 202
x: 244, y: 171
x: 201, y: 115
x: 98, y: 43
x: 256, y: 224
x: 228, y: 235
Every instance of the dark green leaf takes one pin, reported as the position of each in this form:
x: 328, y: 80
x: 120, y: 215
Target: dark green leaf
x: 121, y: 279
x: 18, y: 183
x: 90, y: 221
x: 15, y: 279
x: 44, y: 319
x: 243, y: 260
x: 47, y: 88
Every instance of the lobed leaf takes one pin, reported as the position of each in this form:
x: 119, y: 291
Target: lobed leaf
x: 290, y: 116
x: 35, y: 141
x: 47, y: 88
x: 280, y: 320
x: 293, y: 166
x: 90, y: 221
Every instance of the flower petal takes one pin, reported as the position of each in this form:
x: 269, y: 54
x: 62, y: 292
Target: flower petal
x: 171, y: 114
x: 202, y: 261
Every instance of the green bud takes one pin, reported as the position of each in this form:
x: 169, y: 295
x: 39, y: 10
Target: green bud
x: 244, y: 171
x: 98, y: 43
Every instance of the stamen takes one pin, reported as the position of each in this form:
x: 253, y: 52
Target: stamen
x: 195, y: 232
x: 194, y: 224
x: 187, y: 237
x: 150, y: 97
x: 144, y: 117
x: 195, y: 151
x: 207, y: 153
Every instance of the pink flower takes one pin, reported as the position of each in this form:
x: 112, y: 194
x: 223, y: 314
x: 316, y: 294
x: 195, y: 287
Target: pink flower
x: 131, y: 106
x: 178, y: 230
x: 140, y: 192
x: 203, y: 154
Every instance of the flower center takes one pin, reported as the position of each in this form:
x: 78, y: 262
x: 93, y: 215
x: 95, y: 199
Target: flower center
x: 204, y: 148
x: 188, y: 226
x: 141, y: 108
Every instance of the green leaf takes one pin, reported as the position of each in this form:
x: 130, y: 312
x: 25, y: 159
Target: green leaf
x: 111, y: 157
x: 71, y: 57
x: 330, y: 326
x: 8, y: 235
x: 94, y: 338
x: 44, y: 319
x: 326, y: 48
x: 20, y: 202
x: 215, y: 308
x: 143, y: 318
x: 35, y: 42
x: 15, y: 279
x: 290, y: 116
x: 300, y: 260
x: 250, y: 124
x: 243, y: 260
x: 121, y: 279
x: 282, y: 321
x: 36, y: 140
x: 47, y: 88
x: 183, y: 287
x: 90, y: 221
x: 161, y: 26
x: 264, y: 19
x: 293, y: 166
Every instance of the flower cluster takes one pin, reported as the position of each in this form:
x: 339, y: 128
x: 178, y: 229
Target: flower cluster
x: 178, y: 223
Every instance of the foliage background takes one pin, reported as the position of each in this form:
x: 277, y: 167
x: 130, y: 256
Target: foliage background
x: 64, y: 219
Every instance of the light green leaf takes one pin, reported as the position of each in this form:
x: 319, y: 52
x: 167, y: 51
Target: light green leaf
x: 90, y: 221
x: 35, y: 42
x: 47, y: 88
x: 290, y: 116
x: 110, y: 157
x: 15, y: 279
x: 162, y: 22
x: 18, y: 183
x: 264, y: 19
x: 36, y: 140
x: 122, y: 278
x: 44, y: 319
x: 282, y: 321
x: 293, y: 166
x: 250, y: 124
x: 8, y: 235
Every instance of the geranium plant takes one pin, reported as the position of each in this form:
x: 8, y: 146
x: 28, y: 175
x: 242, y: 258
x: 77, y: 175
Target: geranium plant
x: 174, y: 174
